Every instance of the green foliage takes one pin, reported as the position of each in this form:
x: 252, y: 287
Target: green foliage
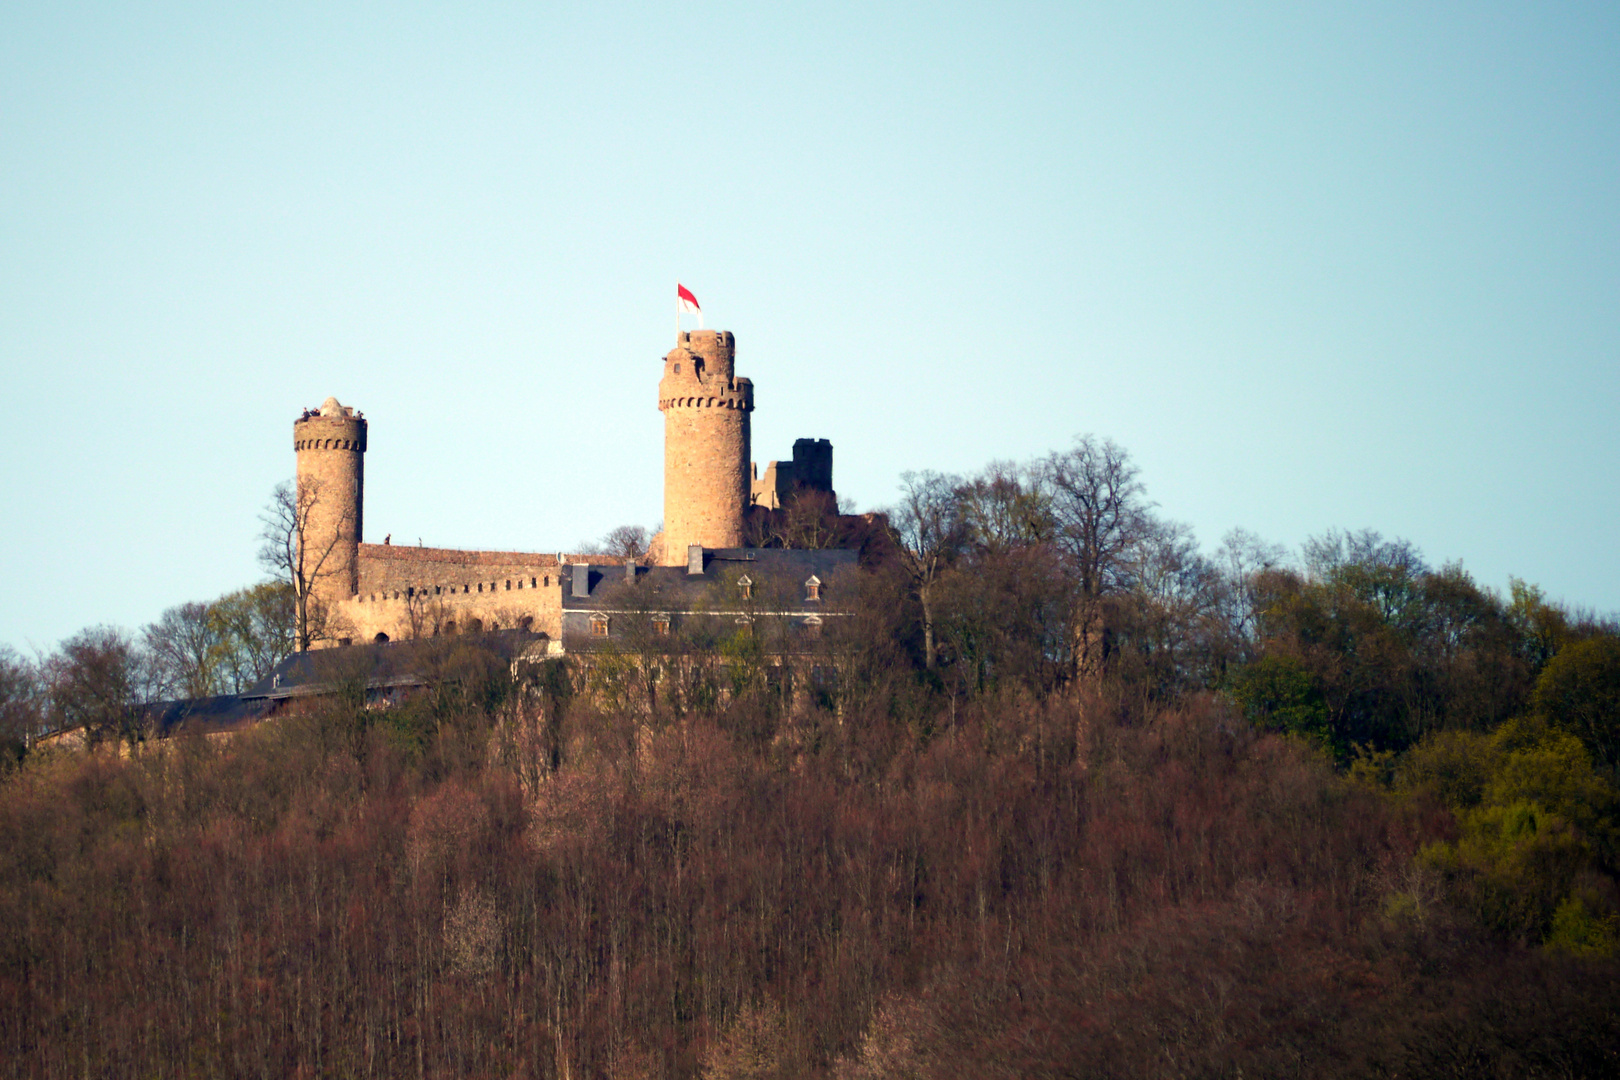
x: 1533, y: 817
x: 1512, y: 866
x: 256, y: 629
x: 1453, y: 765
x: 1551, y: 769
x: 1579, y: 931
x: 1278, y: 693
x: 1579, y: 691
x: 1542, y: 628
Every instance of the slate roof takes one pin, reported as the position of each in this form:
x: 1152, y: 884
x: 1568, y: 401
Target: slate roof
x: 226, y: 712
x: 387, y: 664
x: 679, y: 590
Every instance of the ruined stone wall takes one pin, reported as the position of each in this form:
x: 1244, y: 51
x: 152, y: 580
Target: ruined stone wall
x: 810, y: 469
x: 706, y: 444
x: 331, y: 445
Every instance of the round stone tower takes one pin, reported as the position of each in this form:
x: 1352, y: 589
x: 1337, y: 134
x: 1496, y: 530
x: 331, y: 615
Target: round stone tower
x: 706, y: 444
x: 331, y: 446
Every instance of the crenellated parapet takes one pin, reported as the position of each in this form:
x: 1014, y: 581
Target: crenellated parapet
x: 700, y: 373
x: 741, y: 396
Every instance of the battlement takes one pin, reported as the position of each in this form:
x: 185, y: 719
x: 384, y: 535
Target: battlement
x: 717, y: 349
x: 700, y: 373
x: 330, y: 427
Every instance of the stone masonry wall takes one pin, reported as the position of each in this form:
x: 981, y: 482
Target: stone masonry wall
x: 419, y: 592
x: 331, y: 445
x: 706, y: 444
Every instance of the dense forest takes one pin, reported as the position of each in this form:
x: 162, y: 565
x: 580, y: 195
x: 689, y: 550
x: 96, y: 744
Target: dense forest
x: 1061, y: 794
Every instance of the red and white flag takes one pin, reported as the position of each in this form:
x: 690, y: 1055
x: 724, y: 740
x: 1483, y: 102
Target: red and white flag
x: 685, y: 301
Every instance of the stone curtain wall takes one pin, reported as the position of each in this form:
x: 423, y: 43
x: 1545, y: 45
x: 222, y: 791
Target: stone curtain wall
x: 412, y: 591
x: 385, y: 568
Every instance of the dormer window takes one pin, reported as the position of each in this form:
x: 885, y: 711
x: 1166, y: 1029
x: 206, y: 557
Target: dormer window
x: 660, y: 625
x: 599, y: 626
x: 812, y: 588
x: 745, y: 585
x: 812, y: 626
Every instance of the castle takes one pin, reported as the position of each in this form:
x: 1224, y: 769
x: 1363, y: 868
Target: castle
x: 379, y: 592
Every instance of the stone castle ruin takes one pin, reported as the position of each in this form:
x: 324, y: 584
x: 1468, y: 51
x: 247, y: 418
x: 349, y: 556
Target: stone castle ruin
x: 379, y: 592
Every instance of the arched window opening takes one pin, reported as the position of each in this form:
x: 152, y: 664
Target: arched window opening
x: 526, y: 622
x: 381, y: 638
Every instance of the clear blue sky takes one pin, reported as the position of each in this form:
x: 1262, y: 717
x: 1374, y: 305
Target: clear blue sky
x: 1313, y: 265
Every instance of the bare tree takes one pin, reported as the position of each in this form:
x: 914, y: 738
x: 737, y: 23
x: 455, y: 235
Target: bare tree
x: 1099, y: 514
x: 1004, y: 509
x: 928, y: 531
x: 808, y: 519
x: 1175, y: 595
x: 426, y: 615
x: 188, y: 650
x: 1242, y: 558
x: 22, y: 702
x: 100, y: 682
x: 626, y: 542
x: 292, y: 555
x: 620, y: 543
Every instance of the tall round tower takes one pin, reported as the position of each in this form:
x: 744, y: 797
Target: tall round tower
x: 331, y: 446
x: 706, y: 444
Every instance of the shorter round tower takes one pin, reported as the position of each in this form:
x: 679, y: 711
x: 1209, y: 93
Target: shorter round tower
x: 331, y: 447
x: 706, y: 444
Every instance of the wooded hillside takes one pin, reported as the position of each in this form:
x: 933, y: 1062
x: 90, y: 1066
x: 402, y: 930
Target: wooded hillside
x: 1080, y: 800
